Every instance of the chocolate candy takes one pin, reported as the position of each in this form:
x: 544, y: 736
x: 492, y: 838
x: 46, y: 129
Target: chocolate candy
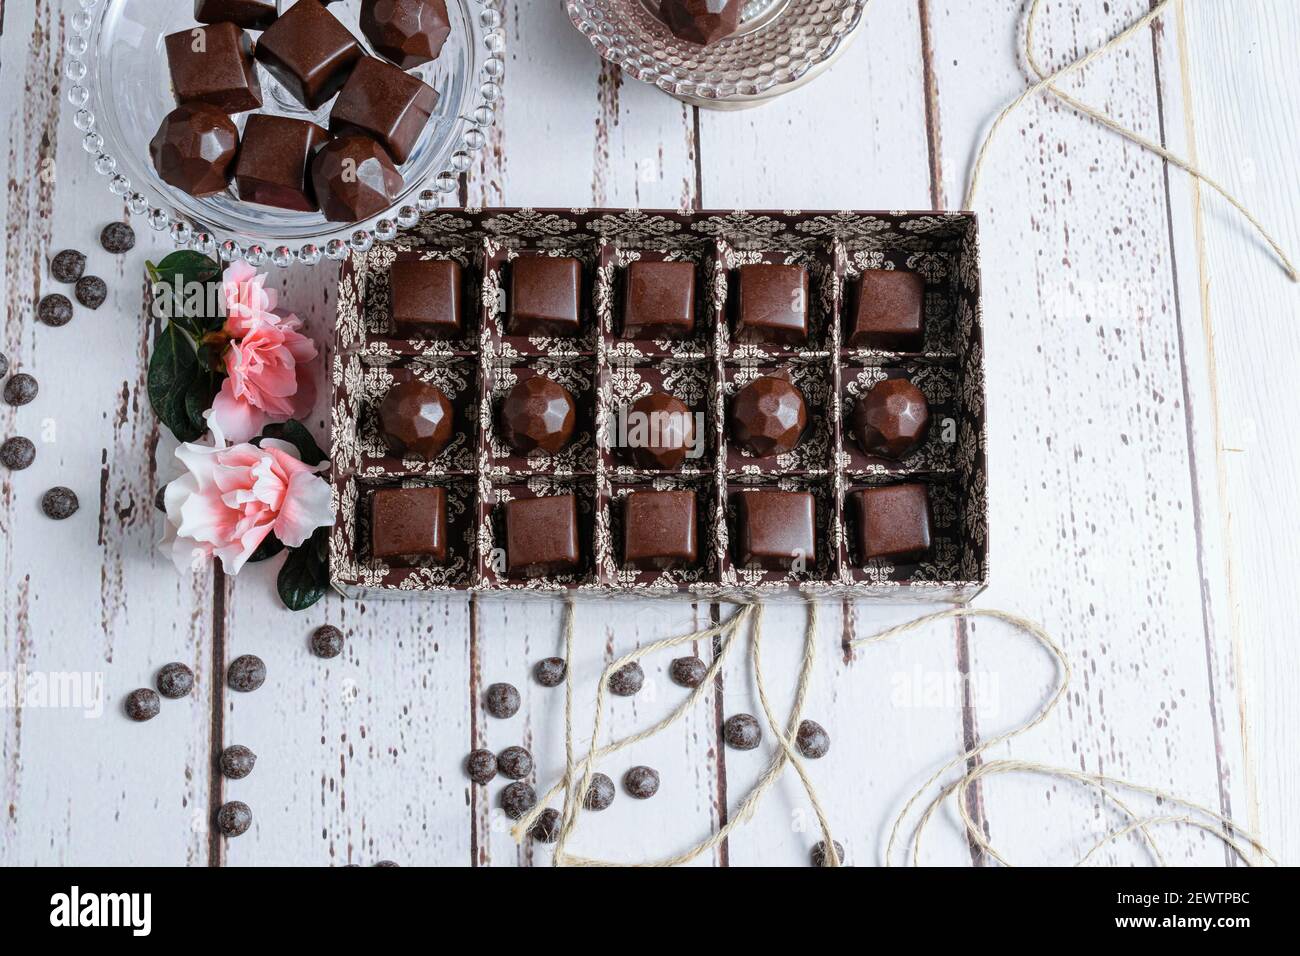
x: 891, y: 419
x: 117, y: 238
x: 234, y: 818
x: 772, y: 304
x: 627, y: 681
x: 742, y: 732
x: 517, y: 799
x: 54, y: 309
x: 688, y: 672
x: 416, y: 419
x: 4, y: 365
x: 91, y: 291
x: 600, y: 792
x: 408, y: 32
x: 893, y: 522
x: 246, y: 673
x: 541, y: 535
x: 550, y: 671
x: 660, y: 300
x: 537, y: 414
x: 310, y: 52
x: 353, y: 178
x: 502, y: 700
x: 60, y: 503
x: 659, y: 530
x: 660, y: 432
x: 546, y: 828
x: 17, y: 453
x: 515, y: 763
x: 812, y: 740
x: 174, y: 680
x: 327, y: 641
x: 380, y: 100
x: 888, y: 312
x: 214, y: 65
x: 641, y: 782
x: 775, y: 529
x: 237, y: 762
x: 702, y: 21
x: 768, y: 416
x: 820, y: 857
x: 274, y: 159
x: 481, y: 765
x: 545, y: 296
x: 250, y: 14
x: 408, y: 523
x: 141, y: 704
x: 194, y: 149
x: 67, y: 266
x: 426, y: 297
x: 20, y: 389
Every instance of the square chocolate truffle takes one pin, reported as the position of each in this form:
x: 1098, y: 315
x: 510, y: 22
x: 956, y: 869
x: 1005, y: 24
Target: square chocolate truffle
x: 888, y: 312
x: 384, y: 102
x: 310, y: 52
x: 273, y: 166
x: 893, y: 522
x: 659, y: 530
x: 775, y: 529
x: 545, y: 296
x: 541, y: 536
x: 249, y: 14
x: 772, y: 304
x: 659, y: 301
x: 408, y: 523
x: 426, y: 298
x: 213, y: 65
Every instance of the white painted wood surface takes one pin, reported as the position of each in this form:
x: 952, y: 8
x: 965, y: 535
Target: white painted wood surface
x: 1140, y: 347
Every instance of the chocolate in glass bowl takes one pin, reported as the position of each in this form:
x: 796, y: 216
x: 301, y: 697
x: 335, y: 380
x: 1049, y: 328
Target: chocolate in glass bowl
x: 274, y: 161
x: 354, y: 179
x: 382, y: 101
x: 407, y: 32
x: 214, y: 65
x: 310, y: 52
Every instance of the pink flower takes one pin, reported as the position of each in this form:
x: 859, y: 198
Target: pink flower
x: 267, y: 364
x: 231, y: 497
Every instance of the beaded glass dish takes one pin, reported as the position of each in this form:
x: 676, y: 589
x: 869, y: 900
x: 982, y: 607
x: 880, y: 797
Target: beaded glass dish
x: 120, y: 89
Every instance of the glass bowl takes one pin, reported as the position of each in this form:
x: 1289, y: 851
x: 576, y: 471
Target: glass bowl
x: 780, y: 45
x: 121, y: 90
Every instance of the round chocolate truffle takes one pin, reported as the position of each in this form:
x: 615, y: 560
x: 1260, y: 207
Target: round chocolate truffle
x: 354, y: 179
x: 891, y: 419
x: 195, y: 148
x: 538, y: 414
x: 415, y: 418
x: 768, y: 416
x: 660, y: 430
x: 408, y: 32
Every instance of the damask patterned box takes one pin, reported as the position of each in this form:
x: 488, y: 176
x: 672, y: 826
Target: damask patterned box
x: 606, y: 371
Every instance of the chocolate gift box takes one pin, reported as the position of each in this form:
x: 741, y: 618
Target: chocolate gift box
x: 548, y: 337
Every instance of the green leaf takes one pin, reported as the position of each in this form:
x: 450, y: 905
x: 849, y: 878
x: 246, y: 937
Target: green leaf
x: 269, y: 548
x: 176, y: 273
x: 198, y: 399
x: 296, y: 434
x: 190, y: 266
x: 304, y: 577
x: 172, y: 371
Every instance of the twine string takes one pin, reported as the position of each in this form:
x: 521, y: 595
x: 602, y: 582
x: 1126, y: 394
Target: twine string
x: 1047, y: 83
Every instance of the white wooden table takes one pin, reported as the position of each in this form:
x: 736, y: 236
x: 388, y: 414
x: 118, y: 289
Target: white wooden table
x: 1141, y: 354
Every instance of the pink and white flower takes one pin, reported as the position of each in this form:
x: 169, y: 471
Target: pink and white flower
x: 268, y: 378
x: 232, y: 496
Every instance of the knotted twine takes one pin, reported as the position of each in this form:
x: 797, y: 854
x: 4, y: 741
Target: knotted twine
x: 1047, y: 82
x: 1191, y: 814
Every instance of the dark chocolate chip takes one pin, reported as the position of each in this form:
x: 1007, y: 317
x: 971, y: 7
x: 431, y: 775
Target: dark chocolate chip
x: 600, y: 792
x: 54, y: 309
x: 246, y: 673
x: 21, y: 389
x: 142, y: 704
x: 546, y: 828
x: 386, y: 863
x: 174, y: 680
x: 327, y: 641
x: 117, y: 237
x: 4, y: 365
x: 627, y: 680
x: 812, y: 739
x: 237, y: 762
x: 502, y: 700
x: 641, y: 782
x: 91, y: 291
x: 820, y: 857
x: 688, y: 671
x: 481, y: 765
x: 517, y: 799
x: 59, y: 503
x: 742, y: 732
x: 234, y: 818
x: 550, y: 671
x: 17, y: 453
x: 515, y: 762
x: 67, y: 266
